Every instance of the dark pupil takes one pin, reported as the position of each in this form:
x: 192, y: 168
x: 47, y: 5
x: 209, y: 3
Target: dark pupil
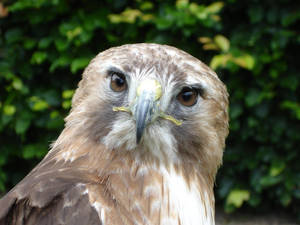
x: 118, y: 80
x: 187, y: 95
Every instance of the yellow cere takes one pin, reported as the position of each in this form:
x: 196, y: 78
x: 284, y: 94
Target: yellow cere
x: 170, y: 118
x: 150, y: 85
x: 122, y: 108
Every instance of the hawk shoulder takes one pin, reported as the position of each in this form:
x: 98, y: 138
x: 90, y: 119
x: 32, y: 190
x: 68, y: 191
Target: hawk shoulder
x: 54, y: 197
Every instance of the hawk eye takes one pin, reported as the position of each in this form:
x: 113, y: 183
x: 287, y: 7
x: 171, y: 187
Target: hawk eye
x: 118, y: 82
x: 188, y: 96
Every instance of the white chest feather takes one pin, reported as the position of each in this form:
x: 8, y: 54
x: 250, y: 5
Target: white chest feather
x: 187, y: 204
x: 174, y: 202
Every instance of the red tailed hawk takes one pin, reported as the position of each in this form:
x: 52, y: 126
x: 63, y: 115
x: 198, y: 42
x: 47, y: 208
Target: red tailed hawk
x: 141, y: 145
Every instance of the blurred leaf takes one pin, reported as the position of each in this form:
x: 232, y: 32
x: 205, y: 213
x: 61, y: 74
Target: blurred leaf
x: 146, y: 5
x: 163, y: 23
x: 29, y: 43
x: 71, y: 34
x: 22, y: 125
x: 38, y: 104
x: 66, y: 104
x: 219, y: 61
x: 34, y: 151
x: 214, y: 7
x: 210, y: 46
x: 61, y: 44
x: 268, y: 181
x: 222, y: 42
x: 182, y: 4
x: 215, y: 18
x: 147, y: 17
x: 277, y: 167
x: 17, y: 84
x: 245, y: 61
x: 205, y: 40
x: 293, y: 106
x: 54, y: 114
x: 62, y: 61
x: 56, y: 121
x: 67, y: 93
x: 127, y: 16
x: 79, y: 63
x: 237, y: 197
x: 9, y: 110
x: 198, y: 11
x: 38, y: 57
x: 24, y: 4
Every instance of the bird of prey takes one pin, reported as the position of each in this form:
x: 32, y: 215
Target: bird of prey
x: 141, y: 145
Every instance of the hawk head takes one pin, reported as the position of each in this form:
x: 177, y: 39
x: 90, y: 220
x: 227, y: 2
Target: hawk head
x: 154, y: 102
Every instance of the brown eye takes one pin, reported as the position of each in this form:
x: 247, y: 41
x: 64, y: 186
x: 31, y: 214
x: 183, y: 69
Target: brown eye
x: 118, y: 82
x: 188, y: 96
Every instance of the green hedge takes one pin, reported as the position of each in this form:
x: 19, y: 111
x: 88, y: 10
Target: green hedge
x: 253, y: 45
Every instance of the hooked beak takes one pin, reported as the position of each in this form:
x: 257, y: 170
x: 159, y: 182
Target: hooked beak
x: 146, y: 106
x: 144, y: 112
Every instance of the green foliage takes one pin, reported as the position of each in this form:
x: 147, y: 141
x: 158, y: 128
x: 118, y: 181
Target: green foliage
x: 44, y: 46
x: 236, y: 198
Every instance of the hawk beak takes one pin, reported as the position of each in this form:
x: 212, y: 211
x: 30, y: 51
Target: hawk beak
x: 146, y: 108
x: 143, y: 116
